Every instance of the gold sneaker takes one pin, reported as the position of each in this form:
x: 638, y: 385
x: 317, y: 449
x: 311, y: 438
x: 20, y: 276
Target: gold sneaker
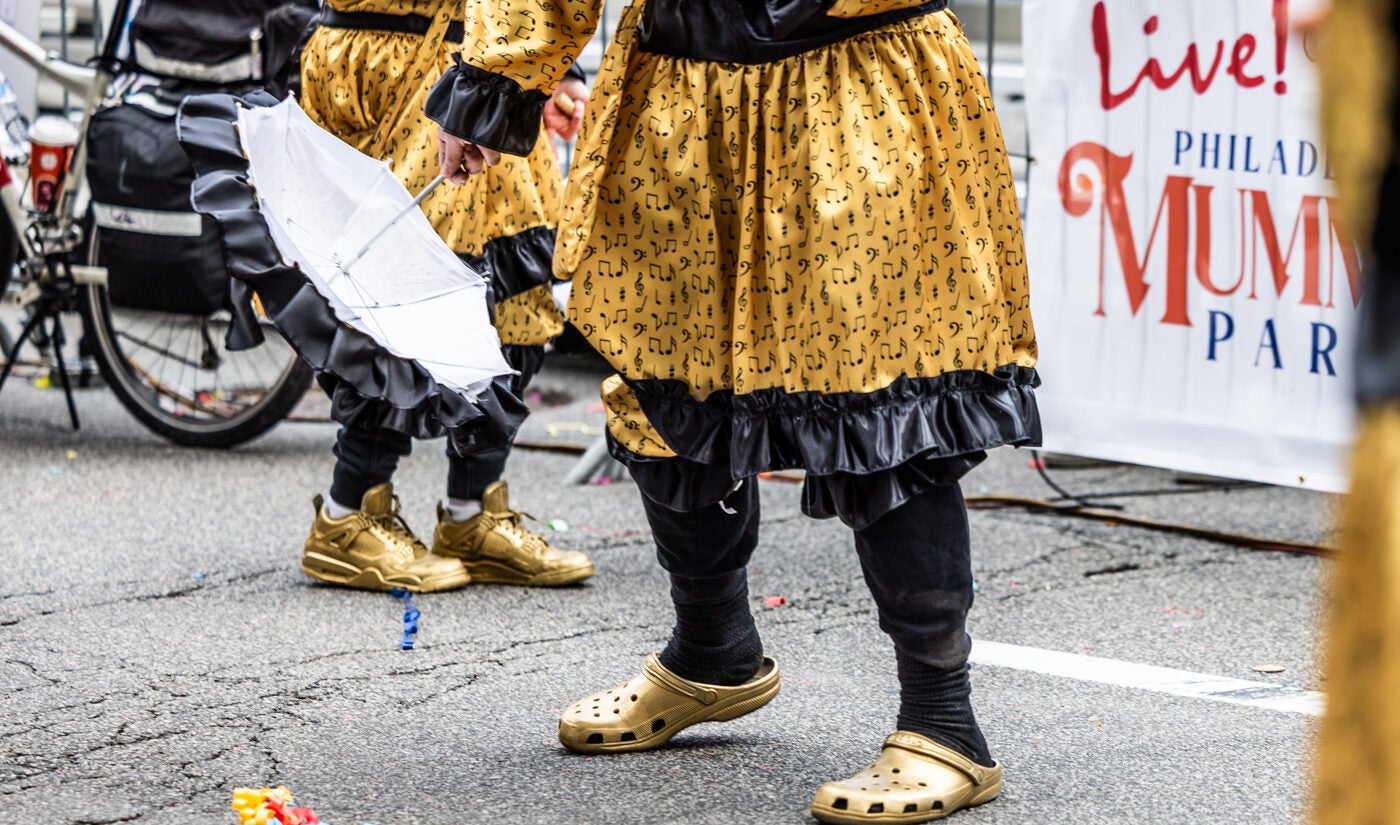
x: 374, y: 549
x: 496, y: 548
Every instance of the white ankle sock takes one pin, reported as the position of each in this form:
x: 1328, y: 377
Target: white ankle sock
x: 335, y: 509
x: 461, y: 509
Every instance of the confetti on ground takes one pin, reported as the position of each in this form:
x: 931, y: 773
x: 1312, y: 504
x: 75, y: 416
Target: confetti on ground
x: 1269, y: 668
x: 558, y: 525
x: 410, y: 618
x: 197, y: 576
x: 774, y: 601
x: 270, y: 806
x: 57, y: 470
x: 72, y: 454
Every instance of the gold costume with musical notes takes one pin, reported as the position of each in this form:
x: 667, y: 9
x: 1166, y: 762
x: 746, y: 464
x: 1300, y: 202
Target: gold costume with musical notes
x: 833, y: 252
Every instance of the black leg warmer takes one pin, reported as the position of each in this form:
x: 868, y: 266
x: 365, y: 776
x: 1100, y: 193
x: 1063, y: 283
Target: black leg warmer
x: 707, y: 552
x: 917, y: 561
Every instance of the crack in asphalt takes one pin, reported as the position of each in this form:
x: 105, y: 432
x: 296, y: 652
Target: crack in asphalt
x: 209, y: 583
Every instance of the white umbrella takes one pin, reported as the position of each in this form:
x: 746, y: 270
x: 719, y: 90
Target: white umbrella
x: 399, y: 329
x: 322, y: 201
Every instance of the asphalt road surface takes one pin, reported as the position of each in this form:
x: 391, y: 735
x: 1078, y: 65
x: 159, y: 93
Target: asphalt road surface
x: 159, y: 646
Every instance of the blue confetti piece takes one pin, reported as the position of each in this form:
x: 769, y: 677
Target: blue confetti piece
x: 197, y: 576
x: 411, y: 615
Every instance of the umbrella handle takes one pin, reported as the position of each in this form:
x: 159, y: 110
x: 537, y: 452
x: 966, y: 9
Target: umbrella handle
x: 427, y: 190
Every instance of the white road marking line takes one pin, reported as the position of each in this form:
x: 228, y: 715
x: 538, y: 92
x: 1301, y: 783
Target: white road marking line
x: 1149, y: 677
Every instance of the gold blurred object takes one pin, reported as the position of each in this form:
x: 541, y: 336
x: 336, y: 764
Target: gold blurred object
x: 565, y: 104
x: 1357, y: 59
x: 1355, y: 776
x: 374, y: 549
x: 914, y: 780
x: 645, y: 712
x: 496, y: 548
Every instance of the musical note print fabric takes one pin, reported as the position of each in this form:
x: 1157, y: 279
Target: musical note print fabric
x: 368, y: 88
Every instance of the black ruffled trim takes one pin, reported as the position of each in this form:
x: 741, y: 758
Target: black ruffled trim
x: 864, y: 453
x: 861, y: 500
x: 858, y: 500
x: 516, y: 263
x: 486, y: 109
x: 368, y: 385
x: 951, y: 414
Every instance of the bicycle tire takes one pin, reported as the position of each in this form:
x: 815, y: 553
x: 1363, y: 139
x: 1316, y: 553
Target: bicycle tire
x: 135, y: 392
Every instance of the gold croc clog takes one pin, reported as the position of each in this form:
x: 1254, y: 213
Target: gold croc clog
x: 657, y: 704
x: 914, y: 780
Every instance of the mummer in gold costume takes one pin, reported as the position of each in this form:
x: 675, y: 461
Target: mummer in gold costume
x: 793, y: 232
x: 366, y: 71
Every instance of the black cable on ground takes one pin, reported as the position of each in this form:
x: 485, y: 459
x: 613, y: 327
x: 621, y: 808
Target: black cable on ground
x: 994, y: 502
x: 1039, y: 464
x: 1070, y: 506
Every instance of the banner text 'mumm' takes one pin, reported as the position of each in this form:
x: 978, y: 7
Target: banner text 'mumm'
x: 1302, y: 260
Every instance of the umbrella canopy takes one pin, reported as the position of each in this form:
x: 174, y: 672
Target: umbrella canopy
x: 401, y: 334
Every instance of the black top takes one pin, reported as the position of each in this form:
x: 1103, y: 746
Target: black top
x: 1378, y: 325
x: 1378, y: 330
x: 754, y: 31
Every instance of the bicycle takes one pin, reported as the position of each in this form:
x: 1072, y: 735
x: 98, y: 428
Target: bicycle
x: 170, y: 370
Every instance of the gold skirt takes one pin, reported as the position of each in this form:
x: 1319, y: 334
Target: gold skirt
x: 368, y: 89
x: 834, y: 235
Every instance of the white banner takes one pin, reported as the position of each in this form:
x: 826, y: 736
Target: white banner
x: 1194, y: 296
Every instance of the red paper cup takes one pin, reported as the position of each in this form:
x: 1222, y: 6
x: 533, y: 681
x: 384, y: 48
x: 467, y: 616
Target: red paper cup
x: 51, y: 142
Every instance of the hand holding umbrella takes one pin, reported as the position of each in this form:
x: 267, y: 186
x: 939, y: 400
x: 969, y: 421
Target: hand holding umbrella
x: 398, y: 325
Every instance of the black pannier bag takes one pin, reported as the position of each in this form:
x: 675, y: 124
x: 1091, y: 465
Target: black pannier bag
x: 217, y: 42
x: 160, y: 254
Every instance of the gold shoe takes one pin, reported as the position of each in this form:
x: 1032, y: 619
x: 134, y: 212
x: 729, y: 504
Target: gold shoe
x: 914, y: 780
x: 374, y: 549
x: 656, y: 705
x: 496, y: 548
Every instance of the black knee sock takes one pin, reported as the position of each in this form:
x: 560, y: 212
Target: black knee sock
x: 715, y: 640
x: 936, y: 703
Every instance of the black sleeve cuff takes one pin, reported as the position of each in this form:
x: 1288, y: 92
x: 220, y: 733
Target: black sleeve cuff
x: 486, y: 109
x: 576, y: 71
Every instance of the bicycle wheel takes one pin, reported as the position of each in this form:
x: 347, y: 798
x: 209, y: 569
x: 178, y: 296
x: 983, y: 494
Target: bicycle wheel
x: 174, y: 374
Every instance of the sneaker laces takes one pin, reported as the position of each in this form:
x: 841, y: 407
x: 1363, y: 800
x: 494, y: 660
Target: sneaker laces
x: 511, y: 523
x: 394, y: 524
